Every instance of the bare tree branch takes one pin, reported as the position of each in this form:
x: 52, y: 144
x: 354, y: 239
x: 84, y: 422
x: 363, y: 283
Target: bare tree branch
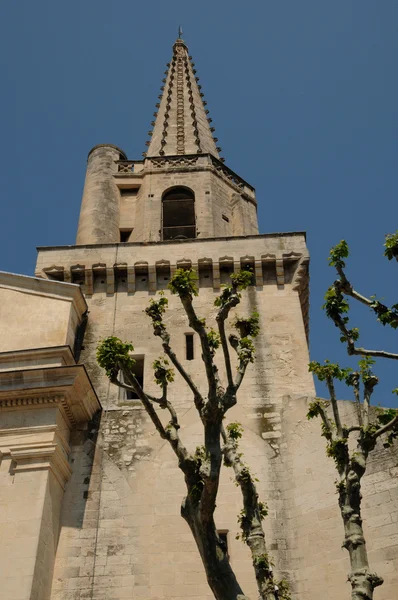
x: 198, y: 326
x: 221, y: 317
x: 161, y: 332
x: 387, y: 427
x: 326, y: 420
x: 251, y: 520
x: 335, y: 407
x: 210, y: 469
x: 352, y: 349
x: 355, y: 384
x: 242, y: 366
x: 225, y: 349
x: 171, y: 432
x: 369, y: 385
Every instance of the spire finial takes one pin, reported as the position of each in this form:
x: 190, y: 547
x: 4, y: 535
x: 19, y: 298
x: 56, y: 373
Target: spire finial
x: 180, y: 32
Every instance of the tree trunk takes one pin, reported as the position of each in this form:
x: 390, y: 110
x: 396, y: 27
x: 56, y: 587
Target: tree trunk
x: 363, y: 582
x: 219, y: 573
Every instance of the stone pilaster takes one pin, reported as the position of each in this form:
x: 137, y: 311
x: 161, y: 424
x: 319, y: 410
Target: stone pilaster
x: 39, y: 407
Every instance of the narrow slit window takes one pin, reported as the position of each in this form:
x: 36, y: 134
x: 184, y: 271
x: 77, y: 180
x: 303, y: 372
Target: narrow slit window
x: 189, y: 346
x: 125, y: 235
x: 138, y: 370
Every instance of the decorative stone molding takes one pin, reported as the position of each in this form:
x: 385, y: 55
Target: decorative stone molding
x: 55, y: 272
x: 41, y: 401
x: 288, y: 267
x: 42, y: 457
x: 173, y: 163
x: 67, y: 386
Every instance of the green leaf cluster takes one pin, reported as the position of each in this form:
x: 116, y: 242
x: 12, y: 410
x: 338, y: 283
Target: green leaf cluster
x: 239, y: 281
x: 335, y: 304
x: 214, y: 340
x: 329, y: 371
x: 391, y: 245
x: 338, y: 450
x: 246, y: 350
x: 156, y: 309
x: 242, y: 279
x: 385, y: 416
x: 244, y: 523
x: 263, y: 562
x: 283, y: 590
x: 248, y: 326
x: 315, y: 408
x: 234, y: 431
x: 385, y: 315
x: 263, y: 510
x: 183, y: 283
x: 162, y: 372
x: 365, y: 369
x: 338, y: 253
x: 113, y: 355
x: 351, y: 333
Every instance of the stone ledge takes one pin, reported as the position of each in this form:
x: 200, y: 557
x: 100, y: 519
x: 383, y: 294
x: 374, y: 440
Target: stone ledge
x: 68, y: 386
x: 55, y: 356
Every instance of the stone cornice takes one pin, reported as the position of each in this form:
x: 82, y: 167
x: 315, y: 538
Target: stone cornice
x: 68, y: 386
x: 174, y: 242
x: 59, y: 290
x: 27, y: 402
x: 36, y: 358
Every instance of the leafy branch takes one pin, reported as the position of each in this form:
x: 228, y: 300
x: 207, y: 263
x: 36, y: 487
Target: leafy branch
x: 337, y: 307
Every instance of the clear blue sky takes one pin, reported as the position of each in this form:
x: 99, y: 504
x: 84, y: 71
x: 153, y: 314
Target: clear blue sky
x: 304, y: 97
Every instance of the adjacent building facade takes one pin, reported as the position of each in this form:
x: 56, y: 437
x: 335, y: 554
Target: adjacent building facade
x: 89, y: 495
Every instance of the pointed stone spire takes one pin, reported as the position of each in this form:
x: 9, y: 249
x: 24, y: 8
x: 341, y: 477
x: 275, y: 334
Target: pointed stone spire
x: 181, y: 125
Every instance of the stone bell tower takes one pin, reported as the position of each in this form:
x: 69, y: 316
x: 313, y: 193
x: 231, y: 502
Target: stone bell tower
x: 140, y: 220
x: 89, y: 494
x: 181, y: 190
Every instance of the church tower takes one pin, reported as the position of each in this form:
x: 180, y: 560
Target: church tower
x: 140, y: 220
x: 79, y: 460
x: 181, y: 190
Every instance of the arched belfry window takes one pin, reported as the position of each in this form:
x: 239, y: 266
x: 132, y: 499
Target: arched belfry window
x: 178, y: 214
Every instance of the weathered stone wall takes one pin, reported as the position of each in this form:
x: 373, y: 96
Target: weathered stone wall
x: 214, y: 197
x: 224, y: 204
x: 123, y: 536
x: 315, y: 530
